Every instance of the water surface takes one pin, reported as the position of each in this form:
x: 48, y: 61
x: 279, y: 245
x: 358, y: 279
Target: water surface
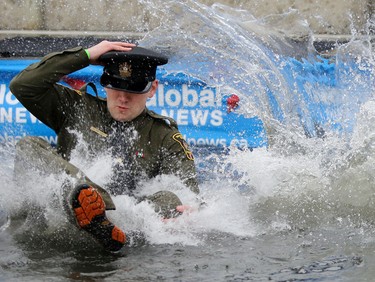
x: 301, y: 209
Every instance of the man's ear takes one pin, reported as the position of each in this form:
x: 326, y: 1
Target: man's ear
x: 153, y: 89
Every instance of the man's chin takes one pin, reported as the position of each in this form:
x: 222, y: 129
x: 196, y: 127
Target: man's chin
x: 121, y: 118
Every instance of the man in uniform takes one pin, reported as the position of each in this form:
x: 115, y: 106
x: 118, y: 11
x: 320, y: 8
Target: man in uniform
x: 143, y: 144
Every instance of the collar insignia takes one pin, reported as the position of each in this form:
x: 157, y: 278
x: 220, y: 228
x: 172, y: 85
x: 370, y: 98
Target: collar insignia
x: 98, y: 131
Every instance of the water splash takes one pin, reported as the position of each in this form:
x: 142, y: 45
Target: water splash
x: 299, y: 181
x: 281, y: 79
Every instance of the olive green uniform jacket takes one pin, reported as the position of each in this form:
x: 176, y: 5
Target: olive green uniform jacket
x: 158, y: 148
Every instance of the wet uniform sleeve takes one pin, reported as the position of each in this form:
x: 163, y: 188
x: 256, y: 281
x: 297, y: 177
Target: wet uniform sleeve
x: 37, y: 90
x: 179, y: 160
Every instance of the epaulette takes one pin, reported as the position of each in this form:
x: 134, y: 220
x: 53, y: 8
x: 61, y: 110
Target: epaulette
x: 168, y: 120
x: 83, y: 89
x: 79, y: 92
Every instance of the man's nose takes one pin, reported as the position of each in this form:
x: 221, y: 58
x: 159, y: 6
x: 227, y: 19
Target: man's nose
x: 125, y: 97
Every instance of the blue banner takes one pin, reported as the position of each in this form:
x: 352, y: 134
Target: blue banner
x: 205, y: 116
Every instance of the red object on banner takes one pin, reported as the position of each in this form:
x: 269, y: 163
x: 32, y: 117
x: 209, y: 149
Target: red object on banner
x: 232, y: 103
x: 73, y: 82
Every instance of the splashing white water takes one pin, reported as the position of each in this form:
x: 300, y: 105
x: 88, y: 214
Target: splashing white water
x: 297, y: 182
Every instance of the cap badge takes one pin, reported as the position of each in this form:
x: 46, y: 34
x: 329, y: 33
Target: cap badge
x: 125, y: 70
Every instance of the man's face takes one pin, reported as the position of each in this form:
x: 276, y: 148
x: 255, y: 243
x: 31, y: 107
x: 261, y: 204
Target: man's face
x: 126, y: 106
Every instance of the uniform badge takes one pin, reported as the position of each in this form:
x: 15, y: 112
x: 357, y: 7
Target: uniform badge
x: 178, y: 137
x: 125, y: 70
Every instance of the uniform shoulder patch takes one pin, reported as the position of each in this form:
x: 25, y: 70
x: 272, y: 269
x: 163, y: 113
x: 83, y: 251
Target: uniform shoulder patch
x: 180, y: 139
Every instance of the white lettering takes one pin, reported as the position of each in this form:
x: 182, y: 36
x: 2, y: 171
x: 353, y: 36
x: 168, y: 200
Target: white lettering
x: 7, y: 98
x: 207, y: 98
x: 34, y: 119
x: 18, y: 115
x: 160, y: 95
x: 189, y: 96
x: 5, y: 116
x: 182, y: 117
x: 152, y: 102
x: 21, y: 115
x: 199, y: 117
x: 9, y: 139
x: 11, y: 99
x: 173, y: 97
x: 241, y: 143
x: 184, y: 97
x: 50, y: 139
x: 2, y: 94
x: 206, y: 142
x: 217, y: 118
